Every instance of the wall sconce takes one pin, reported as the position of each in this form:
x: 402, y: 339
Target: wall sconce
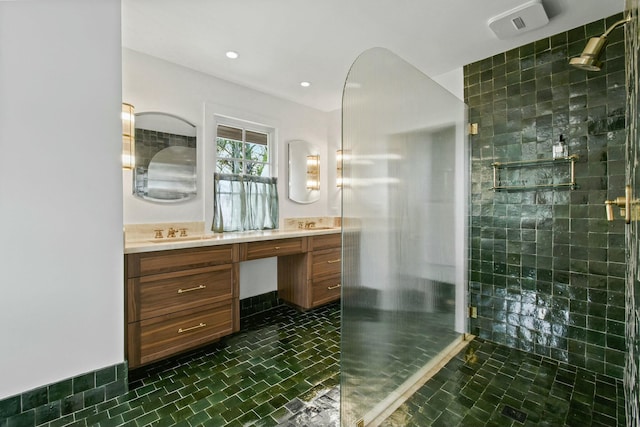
x: 313, y: 172
x: 128, y: 136
x: 339, y: 168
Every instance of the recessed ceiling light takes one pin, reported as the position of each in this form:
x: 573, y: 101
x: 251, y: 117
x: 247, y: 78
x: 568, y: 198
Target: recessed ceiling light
x: 305, y: 84
x: 232, y: 55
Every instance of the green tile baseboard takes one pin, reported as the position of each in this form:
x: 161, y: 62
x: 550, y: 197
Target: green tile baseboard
x: 60, y: 399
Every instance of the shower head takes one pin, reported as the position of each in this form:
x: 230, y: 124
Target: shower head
x: 590, y: 58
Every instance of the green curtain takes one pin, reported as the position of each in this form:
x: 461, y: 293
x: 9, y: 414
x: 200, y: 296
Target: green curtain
x: 244, y: 202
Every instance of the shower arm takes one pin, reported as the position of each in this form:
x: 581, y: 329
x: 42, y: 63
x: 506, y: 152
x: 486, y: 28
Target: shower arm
x: 616, y: 25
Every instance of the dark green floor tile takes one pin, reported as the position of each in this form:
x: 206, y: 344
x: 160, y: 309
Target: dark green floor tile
x: 146, y: 419
x: 263, y: 410
x: 62, y: 421
x: 182, y: 414
x: 261, y: 398
x: 265, y: 422
x: 279, y: 413
x: 287, y: 361
x: 130, y: 414
x: 112, y: 422
x: 231, y: 414
x: 214, y: 421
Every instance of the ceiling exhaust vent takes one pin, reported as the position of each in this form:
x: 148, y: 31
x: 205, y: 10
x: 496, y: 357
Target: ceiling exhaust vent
x: 521, y: 19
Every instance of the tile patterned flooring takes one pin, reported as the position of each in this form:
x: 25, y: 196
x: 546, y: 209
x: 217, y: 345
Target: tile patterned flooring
x: 491, y: 385
x: 283, y: 370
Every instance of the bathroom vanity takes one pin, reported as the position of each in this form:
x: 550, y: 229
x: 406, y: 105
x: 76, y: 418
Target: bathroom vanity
x: 181, y: 294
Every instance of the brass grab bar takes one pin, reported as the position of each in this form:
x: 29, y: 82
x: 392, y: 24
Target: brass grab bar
x: 572, y: 183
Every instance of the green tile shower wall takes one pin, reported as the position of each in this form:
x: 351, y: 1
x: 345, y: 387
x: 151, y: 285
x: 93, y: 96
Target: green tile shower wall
x: 546, y: 268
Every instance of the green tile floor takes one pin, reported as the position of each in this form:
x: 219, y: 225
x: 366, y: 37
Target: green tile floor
x: 491, y: 385
x: 283, y: 370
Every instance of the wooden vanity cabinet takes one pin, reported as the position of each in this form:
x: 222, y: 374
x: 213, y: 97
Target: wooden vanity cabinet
x: 312, y: 279
x: 271, y: 248
x: 179, y: 299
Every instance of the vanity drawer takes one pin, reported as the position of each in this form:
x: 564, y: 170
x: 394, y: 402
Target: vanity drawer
x: 174, y: 260
x: 325, y: 290
x: 326, y: 241
x: 326, y: 262
x: 164, y: 336
x: 160, y: 294
x: 271, y: 248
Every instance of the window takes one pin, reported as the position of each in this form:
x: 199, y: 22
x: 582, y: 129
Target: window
x: 245, y: 193
x: 242, y: 152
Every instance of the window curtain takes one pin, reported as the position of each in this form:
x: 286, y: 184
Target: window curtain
x: 244, y: 202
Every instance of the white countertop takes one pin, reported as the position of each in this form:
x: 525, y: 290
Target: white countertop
x: 212, y: 239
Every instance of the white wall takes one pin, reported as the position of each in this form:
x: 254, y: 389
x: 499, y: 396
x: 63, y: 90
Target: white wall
x: 453, y: 81
x: 61, y: 307
x: 152, y: 84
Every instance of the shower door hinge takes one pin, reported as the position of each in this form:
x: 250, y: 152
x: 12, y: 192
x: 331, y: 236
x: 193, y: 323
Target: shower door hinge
x: 473, y: 128
x: 473, y: 312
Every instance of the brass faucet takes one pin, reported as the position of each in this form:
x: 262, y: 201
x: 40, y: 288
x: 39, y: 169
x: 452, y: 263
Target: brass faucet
x: 171, y: 232
x: 309, y: 224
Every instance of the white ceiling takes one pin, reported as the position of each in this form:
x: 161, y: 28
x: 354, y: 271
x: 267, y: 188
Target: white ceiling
x: 283, y: 42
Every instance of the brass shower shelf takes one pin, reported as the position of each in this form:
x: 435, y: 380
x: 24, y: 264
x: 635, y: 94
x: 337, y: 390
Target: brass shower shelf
x: 569, y: 160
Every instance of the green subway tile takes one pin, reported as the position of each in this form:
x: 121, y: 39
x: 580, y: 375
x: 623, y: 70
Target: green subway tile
x: 72, y: 404
x: 10, y: 406
x: 48, y: 412
x: 83, y: 382
x: 105, y: 376
x: 34, y: 398
x: 60, y: 390
x: 24, y: 419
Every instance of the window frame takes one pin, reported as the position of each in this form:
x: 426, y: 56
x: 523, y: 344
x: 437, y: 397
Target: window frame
x: 245, y: 126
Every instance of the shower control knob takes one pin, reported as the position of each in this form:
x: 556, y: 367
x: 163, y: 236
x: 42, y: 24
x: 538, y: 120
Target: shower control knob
x: 624, y: 203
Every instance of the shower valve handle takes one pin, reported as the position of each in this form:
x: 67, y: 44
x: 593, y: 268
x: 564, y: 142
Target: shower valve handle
x: 623, y: 202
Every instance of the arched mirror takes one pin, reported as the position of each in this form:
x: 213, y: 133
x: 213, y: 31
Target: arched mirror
x: 304, y: 172
x: 165, y: 168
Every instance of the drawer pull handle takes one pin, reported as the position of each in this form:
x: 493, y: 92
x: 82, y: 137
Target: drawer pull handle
x: 197, y: 288
x: 333, y: 261
x: 334, y: 287
x: 277, y: 247
x: 201, y: 325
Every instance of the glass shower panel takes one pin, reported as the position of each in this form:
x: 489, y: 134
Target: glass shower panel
x: 404, y: 231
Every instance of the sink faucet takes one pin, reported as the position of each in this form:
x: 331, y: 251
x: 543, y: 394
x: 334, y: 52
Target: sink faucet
x: 309, y: 224
x: 171, y: 232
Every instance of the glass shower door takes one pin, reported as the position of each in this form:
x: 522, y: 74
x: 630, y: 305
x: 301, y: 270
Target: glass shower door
x: 404, y: 231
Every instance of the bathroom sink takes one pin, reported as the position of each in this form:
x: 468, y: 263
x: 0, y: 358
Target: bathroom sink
x: 321, y: 228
